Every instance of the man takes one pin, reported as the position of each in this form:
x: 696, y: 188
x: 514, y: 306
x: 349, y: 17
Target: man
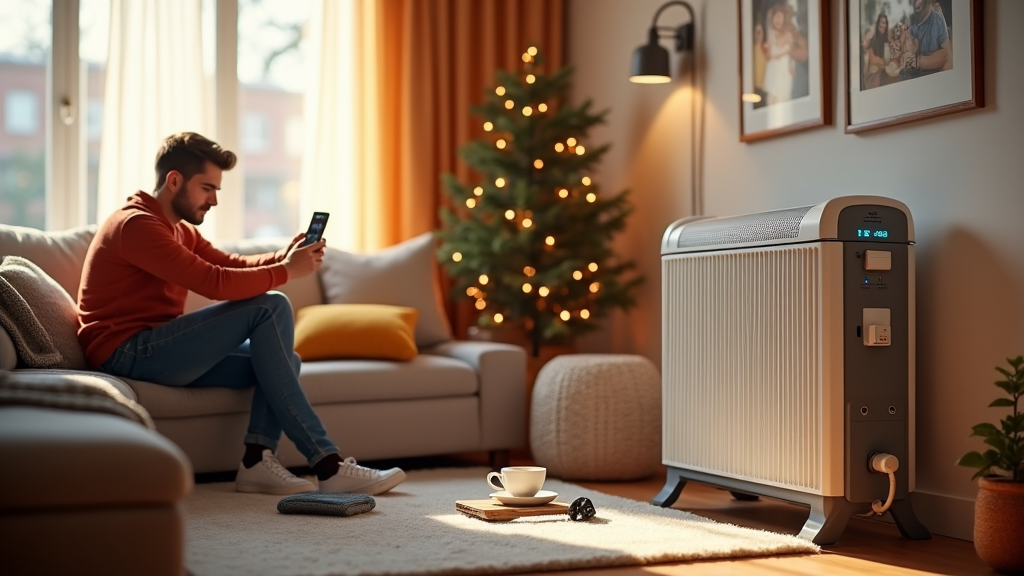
x: 140, y: 266
x: 931, y: 41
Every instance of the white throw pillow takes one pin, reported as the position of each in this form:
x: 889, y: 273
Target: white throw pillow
x: 402, y: 275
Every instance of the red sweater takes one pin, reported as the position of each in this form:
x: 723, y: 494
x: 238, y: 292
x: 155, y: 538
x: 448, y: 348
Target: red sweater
x: 139, y: 270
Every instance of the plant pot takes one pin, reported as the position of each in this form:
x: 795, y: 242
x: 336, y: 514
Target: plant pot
x: 999, y: 524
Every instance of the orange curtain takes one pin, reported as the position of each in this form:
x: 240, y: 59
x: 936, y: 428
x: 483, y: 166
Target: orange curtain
x: 437, y: 58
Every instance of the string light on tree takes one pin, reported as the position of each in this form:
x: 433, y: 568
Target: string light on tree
x: 595, y: 286
x: 544, y: 300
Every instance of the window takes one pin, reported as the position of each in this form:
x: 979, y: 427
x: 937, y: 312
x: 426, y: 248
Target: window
x: 21, y: 113
x: 24, y: 52
x: 272, y: 72
x: 255, y: 133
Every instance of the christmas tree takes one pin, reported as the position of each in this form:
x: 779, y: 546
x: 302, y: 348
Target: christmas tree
x: 529, y: 241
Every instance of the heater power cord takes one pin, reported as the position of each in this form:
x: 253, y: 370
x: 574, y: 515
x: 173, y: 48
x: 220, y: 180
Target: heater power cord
x: 884, y: 464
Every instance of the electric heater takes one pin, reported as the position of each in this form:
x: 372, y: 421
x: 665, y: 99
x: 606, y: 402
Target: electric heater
x: 788, y: 359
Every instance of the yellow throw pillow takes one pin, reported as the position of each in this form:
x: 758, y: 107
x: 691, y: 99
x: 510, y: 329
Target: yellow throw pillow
x: 327, y: 331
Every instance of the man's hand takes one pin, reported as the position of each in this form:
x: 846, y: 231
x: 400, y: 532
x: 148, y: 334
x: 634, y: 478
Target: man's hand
x: 304, y: 260
x: 283, y: 252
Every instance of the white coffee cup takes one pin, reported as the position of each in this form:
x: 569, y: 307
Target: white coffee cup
x: 519, y: 481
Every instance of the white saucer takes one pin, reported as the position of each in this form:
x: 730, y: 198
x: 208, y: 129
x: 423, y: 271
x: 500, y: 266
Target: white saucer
x: 542, y: 497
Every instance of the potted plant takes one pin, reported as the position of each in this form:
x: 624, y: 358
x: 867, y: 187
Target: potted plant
x: 999, y: 509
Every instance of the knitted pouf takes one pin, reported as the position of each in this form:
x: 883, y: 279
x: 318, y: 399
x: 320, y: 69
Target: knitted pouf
x: 597, y: 417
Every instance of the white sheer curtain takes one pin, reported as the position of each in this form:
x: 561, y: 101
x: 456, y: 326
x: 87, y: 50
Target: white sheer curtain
x: 155, y: 87
x: 340, y: 165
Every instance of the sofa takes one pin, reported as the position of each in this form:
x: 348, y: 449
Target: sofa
x: 452, y: 397
x: 87, y: 486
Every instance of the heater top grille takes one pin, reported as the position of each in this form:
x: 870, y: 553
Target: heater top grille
x: 761, y: 227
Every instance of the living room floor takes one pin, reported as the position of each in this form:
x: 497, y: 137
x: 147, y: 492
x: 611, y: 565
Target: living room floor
x: 866, y: 547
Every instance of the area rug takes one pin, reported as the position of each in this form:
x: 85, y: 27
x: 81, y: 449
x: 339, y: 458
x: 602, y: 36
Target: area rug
x: 415, y: 529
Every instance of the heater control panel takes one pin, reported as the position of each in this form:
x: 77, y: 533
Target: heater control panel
x: 877, y: 261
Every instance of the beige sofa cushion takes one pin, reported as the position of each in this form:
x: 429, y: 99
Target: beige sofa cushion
x: 60, y: 254
x: 325, y: 382
x: 403, y: 275
x: 113, y: 461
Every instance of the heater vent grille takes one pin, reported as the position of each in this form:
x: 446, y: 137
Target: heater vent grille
x: 742, y: 364
x: 765, y: 226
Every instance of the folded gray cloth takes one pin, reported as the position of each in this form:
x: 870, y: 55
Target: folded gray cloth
x: 82, y: 391
x: 326, y: 503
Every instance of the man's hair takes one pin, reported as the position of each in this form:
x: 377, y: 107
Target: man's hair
x: 188, y: 153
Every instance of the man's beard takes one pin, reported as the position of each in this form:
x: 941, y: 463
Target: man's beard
x: 183, y: 210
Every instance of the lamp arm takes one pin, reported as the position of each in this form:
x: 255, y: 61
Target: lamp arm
x: 654, y: 23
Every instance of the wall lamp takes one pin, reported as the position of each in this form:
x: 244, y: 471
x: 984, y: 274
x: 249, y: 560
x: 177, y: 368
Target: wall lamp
x: 650, y: 66
x: 650, y: 62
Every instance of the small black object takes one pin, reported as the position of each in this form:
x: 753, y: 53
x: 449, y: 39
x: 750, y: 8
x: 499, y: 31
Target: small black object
x: 326, y: 504
x: 581, y: 510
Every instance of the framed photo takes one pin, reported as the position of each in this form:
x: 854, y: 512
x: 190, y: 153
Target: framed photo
x: 785, y: 74
x: 911, y: 60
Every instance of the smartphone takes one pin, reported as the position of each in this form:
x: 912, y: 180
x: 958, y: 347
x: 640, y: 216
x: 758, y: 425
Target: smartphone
x: 316, y: 228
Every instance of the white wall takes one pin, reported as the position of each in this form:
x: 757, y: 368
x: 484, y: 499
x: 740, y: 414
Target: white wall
x: 961, y: 175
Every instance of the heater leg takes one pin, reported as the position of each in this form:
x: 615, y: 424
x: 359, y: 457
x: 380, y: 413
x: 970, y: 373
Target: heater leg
x: 910, y: 527
x: 827, y: 520
x: 674, y: 485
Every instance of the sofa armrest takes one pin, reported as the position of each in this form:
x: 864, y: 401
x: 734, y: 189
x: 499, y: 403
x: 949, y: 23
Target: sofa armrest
x: 501, y: 370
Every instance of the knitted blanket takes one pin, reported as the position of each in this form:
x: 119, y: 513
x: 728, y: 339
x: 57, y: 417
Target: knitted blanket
x: 40, y: 317
x: 69, y: 391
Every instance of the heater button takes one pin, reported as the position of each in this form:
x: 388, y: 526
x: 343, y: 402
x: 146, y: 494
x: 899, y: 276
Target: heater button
x: 877, y: 260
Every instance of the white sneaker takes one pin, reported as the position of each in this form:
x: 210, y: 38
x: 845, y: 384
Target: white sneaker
x: 270, y: 477
x: 352, y: 477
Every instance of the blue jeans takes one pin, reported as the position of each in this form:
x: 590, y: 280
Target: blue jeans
x: 239, y: 344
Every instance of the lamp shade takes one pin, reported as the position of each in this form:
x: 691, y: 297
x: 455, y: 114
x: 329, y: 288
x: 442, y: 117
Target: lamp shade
x: 650, y: 63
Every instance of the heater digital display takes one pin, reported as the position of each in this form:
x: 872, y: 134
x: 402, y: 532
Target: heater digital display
x: 869, y: 233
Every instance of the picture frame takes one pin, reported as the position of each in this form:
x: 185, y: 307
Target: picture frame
x: 785, y: 67
x: 895, y: 81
